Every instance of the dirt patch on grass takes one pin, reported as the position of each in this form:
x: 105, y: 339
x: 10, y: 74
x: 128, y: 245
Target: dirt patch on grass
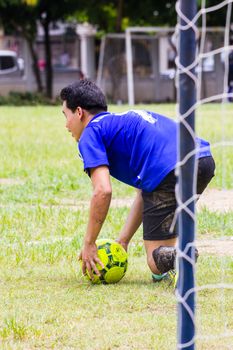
x: 216, y: 246
x: 10, y: 182
x: 75, y: 205
x: 216, y: 200
x: 213, y: 200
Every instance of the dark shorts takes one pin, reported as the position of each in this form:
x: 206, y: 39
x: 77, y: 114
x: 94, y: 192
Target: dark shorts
x: 160, y: 205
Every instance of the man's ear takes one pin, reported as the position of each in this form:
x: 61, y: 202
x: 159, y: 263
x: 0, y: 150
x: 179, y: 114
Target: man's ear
x: 80, y: 112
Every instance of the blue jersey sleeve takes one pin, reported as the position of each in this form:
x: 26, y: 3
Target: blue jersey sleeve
x: 92, y: 149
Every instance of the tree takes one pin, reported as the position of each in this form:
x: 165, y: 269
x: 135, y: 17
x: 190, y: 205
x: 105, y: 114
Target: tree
x: 49, y: 11
x: 116, y: 15
x: 17, y: 17
x: 217, y: 17
x: 21, y: 17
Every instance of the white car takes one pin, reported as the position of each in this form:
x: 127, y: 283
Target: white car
x: 10, y: 63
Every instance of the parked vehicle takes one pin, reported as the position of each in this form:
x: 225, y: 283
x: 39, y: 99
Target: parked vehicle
x: 10, y: 64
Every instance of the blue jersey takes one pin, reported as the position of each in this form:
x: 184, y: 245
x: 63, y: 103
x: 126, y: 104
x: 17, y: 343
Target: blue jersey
x: 139, y: 147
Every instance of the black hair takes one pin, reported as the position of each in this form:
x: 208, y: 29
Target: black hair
x: 85, y: 94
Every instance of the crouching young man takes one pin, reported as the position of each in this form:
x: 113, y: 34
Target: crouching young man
x: 139, y: 148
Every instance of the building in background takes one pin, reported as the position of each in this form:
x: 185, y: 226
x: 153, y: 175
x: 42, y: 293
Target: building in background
x: 73, y: 57
x: 148, y: 72
x: 152, y: 65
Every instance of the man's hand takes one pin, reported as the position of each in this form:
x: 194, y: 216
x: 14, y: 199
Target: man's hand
x: 100, y: 201
x: 89, y: 258
x: 123, y: 244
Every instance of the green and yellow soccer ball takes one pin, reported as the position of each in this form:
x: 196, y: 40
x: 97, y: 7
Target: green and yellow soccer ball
x: 115, y: 260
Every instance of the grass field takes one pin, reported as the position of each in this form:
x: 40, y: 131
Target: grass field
x: 45, y: 302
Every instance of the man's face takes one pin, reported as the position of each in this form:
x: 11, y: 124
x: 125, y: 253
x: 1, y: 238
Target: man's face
x: 73, y: 121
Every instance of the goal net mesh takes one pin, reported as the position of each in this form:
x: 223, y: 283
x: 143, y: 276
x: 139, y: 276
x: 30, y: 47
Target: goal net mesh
x: 155, y: 67
x: 211, y: 71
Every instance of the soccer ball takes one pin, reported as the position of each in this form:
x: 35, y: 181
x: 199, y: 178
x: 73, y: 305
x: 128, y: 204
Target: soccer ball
x: 114, y: 258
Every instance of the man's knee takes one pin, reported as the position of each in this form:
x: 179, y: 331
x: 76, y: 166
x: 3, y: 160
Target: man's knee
x: 152, y: 246
x: 164, y: 258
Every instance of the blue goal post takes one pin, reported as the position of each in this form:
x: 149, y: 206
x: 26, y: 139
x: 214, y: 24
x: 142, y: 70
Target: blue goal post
x: 186, y: 98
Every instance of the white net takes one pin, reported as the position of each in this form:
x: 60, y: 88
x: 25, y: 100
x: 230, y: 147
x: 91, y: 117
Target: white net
x: 139, y: 66
x: 213, y: 317
x: 152, y: 65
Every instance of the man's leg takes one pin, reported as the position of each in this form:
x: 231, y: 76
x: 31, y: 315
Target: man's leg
x: 158, y: 214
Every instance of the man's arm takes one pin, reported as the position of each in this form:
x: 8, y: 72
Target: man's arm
x: 133, y: 221
x: 99, y: 205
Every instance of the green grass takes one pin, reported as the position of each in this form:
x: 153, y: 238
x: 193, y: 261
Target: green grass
x: 219, y: 225
x: 36, y: 149
x: 45, y: 302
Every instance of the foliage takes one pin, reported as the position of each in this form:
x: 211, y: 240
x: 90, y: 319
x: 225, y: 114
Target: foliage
x: 159, y: 13
x: 10, y: 9
x: 56, y: 10
x: 107, y: 15
x: 25, y: 24
x: 26, y: 99
x: 215, y: 18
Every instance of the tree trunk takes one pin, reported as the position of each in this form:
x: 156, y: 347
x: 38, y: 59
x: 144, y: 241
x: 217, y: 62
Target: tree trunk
x: 48, y: 67
x: 119, y: 16
x: 29, y: 36
x: 35, y: 65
